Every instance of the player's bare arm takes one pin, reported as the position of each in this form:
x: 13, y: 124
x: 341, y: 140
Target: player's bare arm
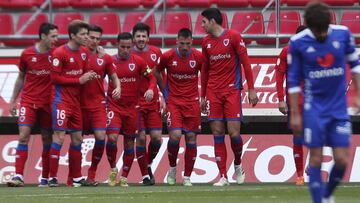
x: 86, y: 77
x: 356, y: 78
x: 18, y: 86
x: 116, y: 93
x: 296, y: 118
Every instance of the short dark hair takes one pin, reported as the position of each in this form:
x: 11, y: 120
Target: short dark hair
x: 300, y: 28
x: 317, y: 16
x: 124, y: 36
x: 75, y: 26
x: 184, y: 32
x: 141, y: 27
x: 213, y: 13
x: 95, y: 28
x: 45, y: 28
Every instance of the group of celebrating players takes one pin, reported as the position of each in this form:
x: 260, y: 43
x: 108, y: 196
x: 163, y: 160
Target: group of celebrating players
x: 63, y: 90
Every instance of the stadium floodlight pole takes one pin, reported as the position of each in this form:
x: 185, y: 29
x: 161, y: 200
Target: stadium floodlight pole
x: 254, y: 20
x: 32, y: 17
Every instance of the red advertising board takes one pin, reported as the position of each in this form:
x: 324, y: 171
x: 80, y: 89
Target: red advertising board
x: 266, y: 158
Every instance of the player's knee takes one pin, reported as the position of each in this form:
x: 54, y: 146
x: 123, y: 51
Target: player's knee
x: 112, y: 138
x: 24, y: 139
x: 156, y: 140
x: 315, y: 161
x: 341, y: 162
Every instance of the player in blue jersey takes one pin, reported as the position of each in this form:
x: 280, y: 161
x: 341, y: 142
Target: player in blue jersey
x: 317, y: 57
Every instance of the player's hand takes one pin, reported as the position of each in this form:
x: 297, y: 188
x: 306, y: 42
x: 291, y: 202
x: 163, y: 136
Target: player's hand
x: 253, y: 99
x: 283, y: 108
x: 149, y: 94
x: 116, y: 93
x: 13, y: 108
x: 203, y: 105
x: 101, y: 51
x: 296, y: 124
x: 357, y: 105
x: 163, y: 107
x: 87, y: 76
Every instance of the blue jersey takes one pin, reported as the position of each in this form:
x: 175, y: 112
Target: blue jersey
x: 321, y: 66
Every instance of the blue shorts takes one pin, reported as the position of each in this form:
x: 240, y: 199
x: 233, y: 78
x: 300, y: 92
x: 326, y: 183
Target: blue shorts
x: 320, y: 131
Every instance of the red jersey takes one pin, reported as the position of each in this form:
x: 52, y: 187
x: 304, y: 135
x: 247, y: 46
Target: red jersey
x: 92, y: 92
x: 281, y: 72
x: 222, y: 58
x: 182, y: 75
x: 68, y: 66
x: 151, y: 55
x: 37, y: 83
x: 130, y: 71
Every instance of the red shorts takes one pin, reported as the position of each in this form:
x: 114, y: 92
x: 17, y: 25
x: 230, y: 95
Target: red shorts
x: 185, y: 117
x: 94, y: 119
x: 150, y: 118
x: 66, y: 117
x: 124, y: 119
x: 224, y: 105
x: 29, y: 114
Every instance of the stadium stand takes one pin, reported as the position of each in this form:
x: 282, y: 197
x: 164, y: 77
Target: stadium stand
x: 134, y: 17
x: 87, y: 3
x: 109, y: 22
x: 151, y: 3
x: 174, y: 22
x: 20, y: 4
x: 122, y: 3
x: 253, y: 21
x: 351, y: 19
x: 60, y: 3
x: 232, y: 3
x: 197, y: 3
x: 7, y: 26
x: 199, y: 30
x: 64, y: 19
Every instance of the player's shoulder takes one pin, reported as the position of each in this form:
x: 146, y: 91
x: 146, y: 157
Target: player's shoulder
x: 232, y: 32
x: 196, y: 52
x: 170, y: 52
x: 339, y: 30
x: 154, y: 49
x: 301, y: 35
x: 59, y: 50
x: 28, y: 51
x: 137, y: 58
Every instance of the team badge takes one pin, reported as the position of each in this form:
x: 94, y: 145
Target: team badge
x: 192, y: 63
x: 153, y: 57
x: 174, y: 63
x: 336, y: 44
x: 208, y: 46
x: 72, y: 60
x: 56, y: 62
x: 99, y: 61
x: 226, y: 42
x: 60, y: 122
x: 131, y: 66
x: 33, y: 59
x: 22, y: 118
x: 83, y: 56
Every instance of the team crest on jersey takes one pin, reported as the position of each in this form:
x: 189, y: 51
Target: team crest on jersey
x: 60, y: 122
x: 99, y: 61
x: 55, y: 62
x: 33, y: 59
x: 192, y: 63
x: 226, y: 42
x: 208, y: 46
x: 153, y: 57
x: 131, y: 66
x: 336, y: 44
x: 22, y: 118
x: 83, y: 56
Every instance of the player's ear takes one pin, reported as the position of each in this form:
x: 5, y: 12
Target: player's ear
x: 42, y: 36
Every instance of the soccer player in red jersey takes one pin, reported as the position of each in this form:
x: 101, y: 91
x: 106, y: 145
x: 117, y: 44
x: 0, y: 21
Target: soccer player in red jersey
x: 182, y: 96
x: 281, y: 72
x: 150, y: 114
x: 69, y: 61
x: 35, y: 84
x: 224, y: 52
x: 123, y: 114
x: 93, y: 100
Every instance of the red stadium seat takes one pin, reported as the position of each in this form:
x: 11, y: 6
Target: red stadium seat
x: 232, y: 3
x: 333, y: 17
x: 31, y: 29
x: 132, y: 19
x: 241, y: 20
x: 199, y: 30
x: 109, y: 22
x: 192, y: 3
x: 87, y: 3
x: 7, y: 26
x: 339, y: 2
x: 351, y: 19
x: 174, y: 22
x: 60, y: 3
x: 289, y: 21
x: 297, y: 2
x: 20, y: 4
x: 123, y: 3
x: 62, y: 20
x: 262, y: 3
x: 151, y: 3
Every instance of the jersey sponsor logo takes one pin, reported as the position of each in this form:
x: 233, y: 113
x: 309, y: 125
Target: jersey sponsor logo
x: 33, y: 59
x: 60, y: 122
x: 22, y: 118
x: 326, y: 73
x: 336, y: 44
x: 99, y: 61
x: 153, y: 57
x: 310, y: 49
x: 74, y: 72
x: 183, y: 76
x: 174, y: 63
x: 327, y: 61
x: 208, y: 46
x: 83, y: 56
x: 192, y: 63
x: 125, y: 79
x: 214, y: 58
x: 132, y: 66
x: 226, y: 42
x: 72, y: 60
x: 56, y: 62
x: 39, y: 72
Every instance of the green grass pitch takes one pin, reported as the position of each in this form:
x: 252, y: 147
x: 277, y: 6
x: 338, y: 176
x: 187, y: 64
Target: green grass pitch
x: 199, y: 193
